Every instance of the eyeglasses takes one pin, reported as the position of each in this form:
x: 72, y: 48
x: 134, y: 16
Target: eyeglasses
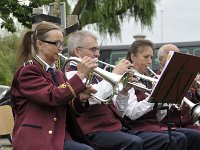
x: 93, y: 49
x: 57, y: 43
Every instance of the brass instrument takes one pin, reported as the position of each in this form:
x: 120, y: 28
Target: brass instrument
x: 197, y: 84
x: 117, y: 81
x: 135, y: 73
x: 155, y: 75
x: 194, y: 109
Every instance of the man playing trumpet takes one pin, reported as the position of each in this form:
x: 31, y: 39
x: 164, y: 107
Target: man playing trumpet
x: 102, y: 124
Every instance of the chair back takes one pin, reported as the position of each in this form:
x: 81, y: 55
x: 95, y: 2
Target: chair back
x: 6, y: 120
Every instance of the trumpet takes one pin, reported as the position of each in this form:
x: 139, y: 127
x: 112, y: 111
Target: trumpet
x: 155, y: 75
x: 135, y: 73
x: 194, y: 109
x: 117, y: 81
x: 140, y: 86
x: 197, y: 84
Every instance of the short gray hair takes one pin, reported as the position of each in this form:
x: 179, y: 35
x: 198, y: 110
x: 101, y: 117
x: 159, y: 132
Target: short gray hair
x: 161, y: 52
x: 164, y: 50
x: 77, y: 39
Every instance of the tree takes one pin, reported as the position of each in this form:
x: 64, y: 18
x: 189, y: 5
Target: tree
x: 107, y: 15
x: 8, y: 51
x: 19, y: 10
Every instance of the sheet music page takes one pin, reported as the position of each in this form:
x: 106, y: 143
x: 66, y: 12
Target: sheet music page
x: 169, y: 57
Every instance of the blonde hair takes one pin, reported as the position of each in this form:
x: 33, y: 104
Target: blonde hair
x: 30, y: 39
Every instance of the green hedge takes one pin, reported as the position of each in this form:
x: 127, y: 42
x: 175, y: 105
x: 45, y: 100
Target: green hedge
x: 8, y: 50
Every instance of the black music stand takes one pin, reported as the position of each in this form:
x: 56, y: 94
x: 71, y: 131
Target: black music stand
x: 175, y: 80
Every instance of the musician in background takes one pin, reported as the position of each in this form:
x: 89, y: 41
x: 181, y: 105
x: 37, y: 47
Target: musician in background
x: 142, y: 115
x: 181, y: 116
x: 102, y: 124
x: 41, y: 93
x: 162, y: 54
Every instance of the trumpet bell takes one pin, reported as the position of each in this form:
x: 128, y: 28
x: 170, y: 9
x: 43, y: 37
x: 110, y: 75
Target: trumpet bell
x: 195, y: 113
x: 197, y: 84
x: 118, y: 81
x: 123, y: 80
x: 194, y: 109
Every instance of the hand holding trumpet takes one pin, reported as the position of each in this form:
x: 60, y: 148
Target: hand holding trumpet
x: 84, y: 96
x: 127, y: 87
x: 122, y: 67
x: 85, y: 66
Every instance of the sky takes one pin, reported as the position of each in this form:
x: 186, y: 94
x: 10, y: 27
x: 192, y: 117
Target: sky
x: 175, y: 21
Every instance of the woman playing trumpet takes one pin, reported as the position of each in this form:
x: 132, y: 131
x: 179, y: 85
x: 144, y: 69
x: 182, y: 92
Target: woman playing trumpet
x: 142, y: 115
x: 41, y: 94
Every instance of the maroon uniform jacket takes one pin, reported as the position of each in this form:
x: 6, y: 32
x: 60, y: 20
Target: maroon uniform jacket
x: 40, y: 108
x: 147, y: 122
x: 100, y: 117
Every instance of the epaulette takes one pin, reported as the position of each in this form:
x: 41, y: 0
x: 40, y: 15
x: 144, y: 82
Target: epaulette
x: 29, y: 62
x: 39, y: 61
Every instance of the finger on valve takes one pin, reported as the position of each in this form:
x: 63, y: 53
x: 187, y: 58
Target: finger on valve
x: 90, y: 89
x: 84, y: 96
x: 84, y: 67
x: 122, y: 67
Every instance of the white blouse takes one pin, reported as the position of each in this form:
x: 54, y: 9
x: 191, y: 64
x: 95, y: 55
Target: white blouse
x: 131, y: 107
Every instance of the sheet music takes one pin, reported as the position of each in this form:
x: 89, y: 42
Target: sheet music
x: 170, y: 55
x: 176, y: 78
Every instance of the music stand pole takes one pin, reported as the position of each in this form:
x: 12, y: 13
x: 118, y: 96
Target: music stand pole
x: 174, y: 82
x: 169, y: 125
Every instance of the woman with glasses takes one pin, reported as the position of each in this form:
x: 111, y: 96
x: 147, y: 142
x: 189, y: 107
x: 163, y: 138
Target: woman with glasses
x: 43, y: 97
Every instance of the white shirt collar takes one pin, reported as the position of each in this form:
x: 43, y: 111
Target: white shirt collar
x: 47, y: 66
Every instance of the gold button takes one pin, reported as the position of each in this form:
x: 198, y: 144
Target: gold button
x: 50, y: 131
x: 55, y: 119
